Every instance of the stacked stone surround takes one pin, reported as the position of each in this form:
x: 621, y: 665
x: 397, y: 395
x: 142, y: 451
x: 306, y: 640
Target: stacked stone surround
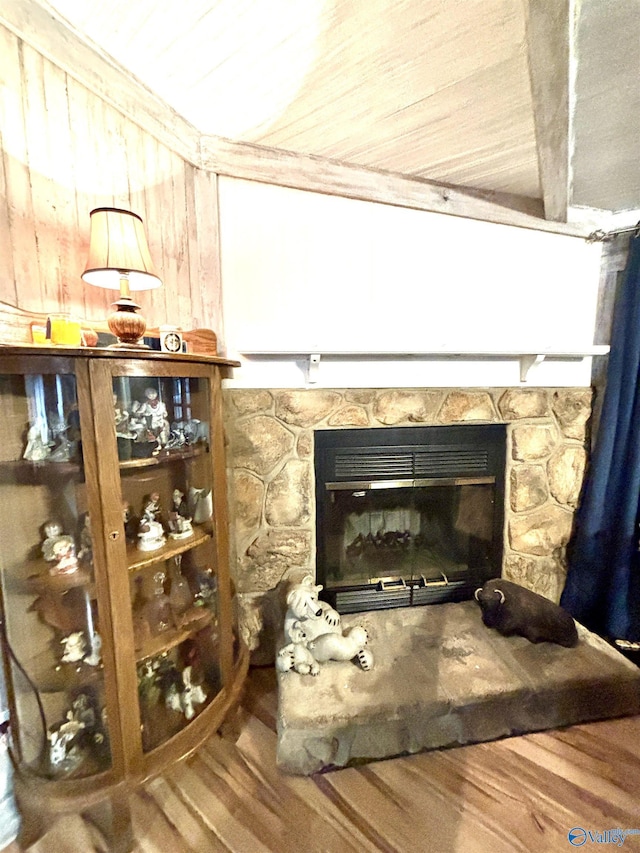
x: 270, y: 455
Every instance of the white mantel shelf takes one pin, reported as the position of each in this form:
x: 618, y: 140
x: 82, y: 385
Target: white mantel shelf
x: 527, y: 358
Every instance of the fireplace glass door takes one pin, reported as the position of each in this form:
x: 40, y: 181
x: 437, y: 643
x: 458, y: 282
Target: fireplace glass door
x: 389, y: 540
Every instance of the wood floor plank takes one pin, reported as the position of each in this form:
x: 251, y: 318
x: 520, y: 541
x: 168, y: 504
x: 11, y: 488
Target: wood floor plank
x: 517, y: 795
x: 153, y: 831
x: 304, y: 801
x: 198, y: 836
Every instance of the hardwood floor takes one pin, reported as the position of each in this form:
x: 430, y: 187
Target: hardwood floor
x: 518, y: 794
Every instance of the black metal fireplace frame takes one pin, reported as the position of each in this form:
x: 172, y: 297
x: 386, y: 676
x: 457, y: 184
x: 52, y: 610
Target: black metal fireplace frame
x: 422, y: 455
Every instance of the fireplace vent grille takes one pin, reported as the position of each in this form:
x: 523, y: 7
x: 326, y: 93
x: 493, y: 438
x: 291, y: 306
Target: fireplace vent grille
x: 361, y: 466
x: 434, y: 462
x: 451, y: 461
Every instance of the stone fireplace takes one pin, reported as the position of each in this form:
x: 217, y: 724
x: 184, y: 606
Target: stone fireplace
x: 272, y: 480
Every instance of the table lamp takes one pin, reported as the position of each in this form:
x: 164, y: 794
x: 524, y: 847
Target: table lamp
x: 119, y: 259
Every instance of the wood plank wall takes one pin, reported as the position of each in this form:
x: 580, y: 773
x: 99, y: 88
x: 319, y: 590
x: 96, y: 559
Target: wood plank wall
x: 66, y: 151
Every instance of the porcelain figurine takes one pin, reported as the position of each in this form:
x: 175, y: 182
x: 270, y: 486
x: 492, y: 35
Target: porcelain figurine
x: 94, y: 658
x: 64, y: 449
x: 200, y: 504
x: 38, y: 449
x: 193, y: 430
x: 154, y: 411
x: 185, y: 699
x: 63, y: 752
x: 82, y: 727
x: 177, y: 438
x: 313, y: 634
x: 179, y: 521
x: 52, y: 532
x: 59, y: 549
x: 74, y: 647
x: 121, y: 420
x: 138, y: 429
x: 205, y: 586
x: 151, y: 532
x: 64, y: 556
x: 130, y: 522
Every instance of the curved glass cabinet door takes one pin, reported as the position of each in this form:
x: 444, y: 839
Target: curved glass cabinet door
x: 163, y: 426
x: 51, y: 618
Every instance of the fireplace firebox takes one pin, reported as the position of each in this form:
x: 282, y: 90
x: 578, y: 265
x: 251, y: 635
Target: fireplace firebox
x: 408, y: 515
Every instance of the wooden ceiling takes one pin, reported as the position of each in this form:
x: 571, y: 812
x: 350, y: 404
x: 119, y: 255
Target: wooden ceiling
x: 535, y: 99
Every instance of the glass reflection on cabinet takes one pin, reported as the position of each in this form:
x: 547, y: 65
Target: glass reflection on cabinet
x: 51, y: 621
x: 162, y: 428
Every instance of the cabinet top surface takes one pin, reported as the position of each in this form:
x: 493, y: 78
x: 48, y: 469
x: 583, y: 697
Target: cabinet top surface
x: 115, y: 353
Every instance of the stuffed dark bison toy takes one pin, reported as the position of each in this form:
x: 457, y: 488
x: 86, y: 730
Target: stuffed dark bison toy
x: 512, y: 609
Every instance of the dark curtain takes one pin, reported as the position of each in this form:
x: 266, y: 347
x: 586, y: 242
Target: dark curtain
x: 603, y: 590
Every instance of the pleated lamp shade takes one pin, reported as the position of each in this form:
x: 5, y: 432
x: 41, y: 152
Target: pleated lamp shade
x: 119, y: 259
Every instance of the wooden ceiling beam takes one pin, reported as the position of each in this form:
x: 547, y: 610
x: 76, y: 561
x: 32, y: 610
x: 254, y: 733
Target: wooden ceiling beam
x: 548, y: 40
x: 317, y: 174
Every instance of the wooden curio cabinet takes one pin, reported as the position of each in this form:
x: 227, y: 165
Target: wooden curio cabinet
x: 120, y: 643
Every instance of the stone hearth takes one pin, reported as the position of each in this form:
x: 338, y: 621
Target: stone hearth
x: 441, y: 679
x: 272, y: 501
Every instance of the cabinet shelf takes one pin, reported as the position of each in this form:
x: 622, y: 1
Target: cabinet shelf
x: 50, y: 676
x: 43, y: 583
x: 163, y: 457
x: 26, y: 473
x: 141, y: 559
x: 196, y: 619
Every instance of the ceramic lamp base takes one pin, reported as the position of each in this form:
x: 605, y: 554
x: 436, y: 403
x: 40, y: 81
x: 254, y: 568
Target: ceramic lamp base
x: 127, y: 325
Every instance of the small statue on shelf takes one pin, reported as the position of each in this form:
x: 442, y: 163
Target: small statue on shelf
x: 151, y: 532
x: 179, y: 503
x: 94, y: 658
x: 200, y: 505
x: 125, y: 436
x: 64, y: 554
x: 177, y: 437
x: 138, y: 430
x: 52, y: 532
x: 121, y: 419
x: 148, y: 686
x: 74, y: 647
x: 83, y: 729
x: 130, y: 522
x: 59, y: 549
x: 38, y: 447
x: 65, y: 449
x: 179, y: 520
x: 205, y: 585
x: 184, y: 699
x: 155, y: 413
x: 195, y: 430
x: 64, y: 753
